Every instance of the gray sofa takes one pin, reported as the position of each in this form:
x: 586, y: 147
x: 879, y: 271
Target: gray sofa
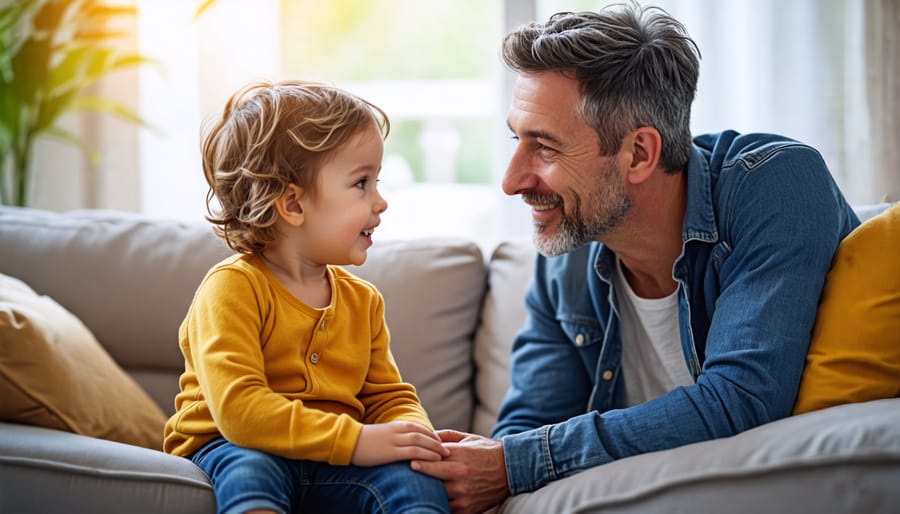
x: 452, y: 311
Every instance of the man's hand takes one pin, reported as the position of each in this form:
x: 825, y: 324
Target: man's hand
x: 398, y: 440
x: 474, y: 474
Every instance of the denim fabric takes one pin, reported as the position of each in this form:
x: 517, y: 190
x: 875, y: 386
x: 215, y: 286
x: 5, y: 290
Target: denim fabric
x: 245, y: 479
x: 763, y: 219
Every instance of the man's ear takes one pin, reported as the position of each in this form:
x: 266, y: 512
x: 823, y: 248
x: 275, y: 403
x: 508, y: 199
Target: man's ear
x: 642, y: 148
x: 290, y: 205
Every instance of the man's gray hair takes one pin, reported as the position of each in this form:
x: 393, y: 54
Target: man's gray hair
x: 636, y: 67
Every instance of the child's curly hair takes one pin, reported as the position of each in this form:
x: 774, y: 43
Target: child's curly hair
x: 271, y: 135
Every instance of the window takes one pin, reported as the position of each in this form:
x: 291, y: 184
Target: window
x: 434, y: 67
x: 798, y: 68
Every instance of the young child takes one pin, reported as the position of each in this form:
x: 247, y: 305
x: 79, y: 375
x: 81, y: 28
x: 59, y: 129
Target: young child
x: 290, y: 399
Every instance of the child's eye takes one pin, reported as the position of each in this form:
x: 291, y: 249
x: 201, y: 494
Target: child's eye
x: 361, y: 183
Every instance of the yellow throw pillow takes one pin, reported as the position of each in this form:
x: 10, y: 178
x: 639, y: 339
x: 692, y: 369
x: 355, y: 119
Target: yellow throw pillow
x: 854, y: 355
x: 54, y: 373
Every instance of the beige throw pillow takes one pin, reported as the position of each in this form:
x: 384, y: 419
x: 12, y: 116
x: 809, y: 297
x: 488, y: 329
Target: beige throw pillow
x: 54, y: 374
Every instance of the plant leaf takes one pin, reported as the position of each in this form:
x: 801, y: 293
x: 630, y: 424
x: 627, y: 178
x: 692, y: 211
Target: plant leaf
x: 204, y: 5
x: 69, y: 69
x: 66, y: 136
x: 99, y: 104
x: 29, y: 66
x: 15, y: 28
x: 51, y: 109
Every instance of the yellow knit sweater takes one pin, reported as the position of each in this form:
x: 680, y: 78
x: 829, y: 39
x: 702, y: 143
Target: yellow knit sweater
x: 268, y: 372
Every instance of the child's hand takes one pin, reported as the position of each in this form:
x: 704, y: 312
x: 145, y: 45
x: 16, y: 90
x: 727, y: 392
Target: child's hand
x: 394, y: 441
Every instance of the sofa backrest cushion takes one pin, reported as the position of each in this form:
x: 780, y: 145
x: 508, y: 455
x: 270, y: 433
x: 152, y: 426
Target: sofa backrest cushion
x: 510, y: 272
x: 130, y: 280
x: 54, y: 374
x: 433, y: 290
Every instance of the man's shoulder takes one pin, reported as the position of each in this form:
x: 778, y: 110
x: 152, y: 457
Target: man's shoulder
x: 760, y: 164
x: 752, y: 148
x: 768, y: 179
x: 730, y: 148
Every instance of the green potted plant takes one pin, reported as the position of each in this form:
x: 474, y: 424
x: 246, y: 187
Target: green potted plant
x: 51, y: 51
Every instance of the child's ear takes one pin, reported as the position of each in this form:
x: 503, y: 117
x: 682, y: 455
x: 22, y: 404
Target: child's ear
x: 290, y: 205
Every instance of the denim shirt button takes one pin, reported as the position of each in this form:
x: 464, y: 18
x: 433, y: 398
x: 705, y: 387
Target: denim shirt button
x: 607, y: 375
x: 579, y: 340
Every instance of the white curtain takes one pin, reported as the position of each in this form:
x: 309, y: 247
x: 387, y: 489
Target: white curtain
x: 882, y: 29
x: 823, y: 72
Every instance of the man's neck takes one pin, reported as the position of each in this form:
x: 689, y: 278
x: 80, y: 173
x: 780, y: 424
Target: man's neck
x: 650, y: 241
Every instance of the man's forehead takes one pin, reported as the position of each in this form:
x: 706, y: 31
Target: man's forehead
x: 549, y: 92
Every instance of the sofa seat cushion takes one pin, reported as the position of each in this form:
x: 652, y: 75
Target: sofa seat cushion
x: 54, y: 373
x: 854, y: 354
x: 837, y: 460
x: 44, y: 470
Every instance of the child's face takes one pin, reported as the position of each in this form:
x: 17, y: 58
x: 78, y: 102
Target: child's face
x: 347, y: 205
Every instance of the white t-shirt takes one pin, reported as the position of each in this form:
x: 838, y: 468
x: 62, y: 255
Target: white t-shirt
x: 652, y: 359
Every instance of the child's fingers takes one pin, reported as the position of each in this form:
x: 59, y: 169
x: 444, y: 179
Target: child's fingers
x: 419, y: 453
x: 426, y: 442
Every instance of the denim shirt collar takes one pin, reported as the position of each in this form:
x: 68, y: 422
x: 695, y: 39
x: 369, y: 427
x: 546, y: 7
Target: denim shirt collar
x: 699, y: 218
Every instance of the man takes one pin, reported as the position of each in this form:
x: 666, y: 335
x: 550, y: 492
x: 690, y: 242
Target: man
x: 678, y: 281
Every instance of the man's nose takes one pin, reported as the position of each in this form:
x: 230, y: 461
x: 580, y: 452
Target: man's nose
x: 517, y: 175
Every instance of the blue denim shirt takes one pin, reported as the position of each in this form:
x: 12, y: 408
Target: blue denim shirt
x: 763, y: 219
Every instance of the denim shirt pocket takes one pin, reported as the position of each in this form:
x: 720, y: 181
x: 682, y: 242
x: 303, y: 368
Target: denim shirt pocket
x: 586, y: 335
x: 582, y: 332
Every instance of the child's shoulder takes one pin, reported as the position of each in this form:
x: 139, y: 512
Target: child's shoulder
x: 237, y: 267
x: 347, y: 278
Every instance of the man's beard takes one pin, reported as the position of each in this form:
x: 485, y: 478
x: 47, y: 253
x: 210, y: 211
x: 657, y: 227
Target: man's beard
x: 609, y: 204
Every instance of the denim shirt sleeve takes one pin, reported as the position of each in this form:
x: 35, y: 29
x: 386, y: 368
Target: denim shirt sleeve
x: 778, y: 220
x: 545, y: 356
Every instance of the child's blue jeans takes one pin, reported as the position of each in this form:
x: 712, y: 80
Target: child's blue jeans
x: 245, y: 479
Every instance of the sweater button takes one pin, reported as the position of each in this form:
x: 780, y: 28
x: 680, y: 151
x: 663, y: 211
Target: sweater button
x: 607, y: 375
x: 314, y: 358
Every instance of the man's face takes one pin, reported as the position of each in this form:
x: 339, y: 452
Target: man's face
x: 576, y: 195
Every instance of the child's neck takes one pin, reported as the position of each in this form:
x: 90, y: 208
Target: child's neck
x: 309, y: 283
